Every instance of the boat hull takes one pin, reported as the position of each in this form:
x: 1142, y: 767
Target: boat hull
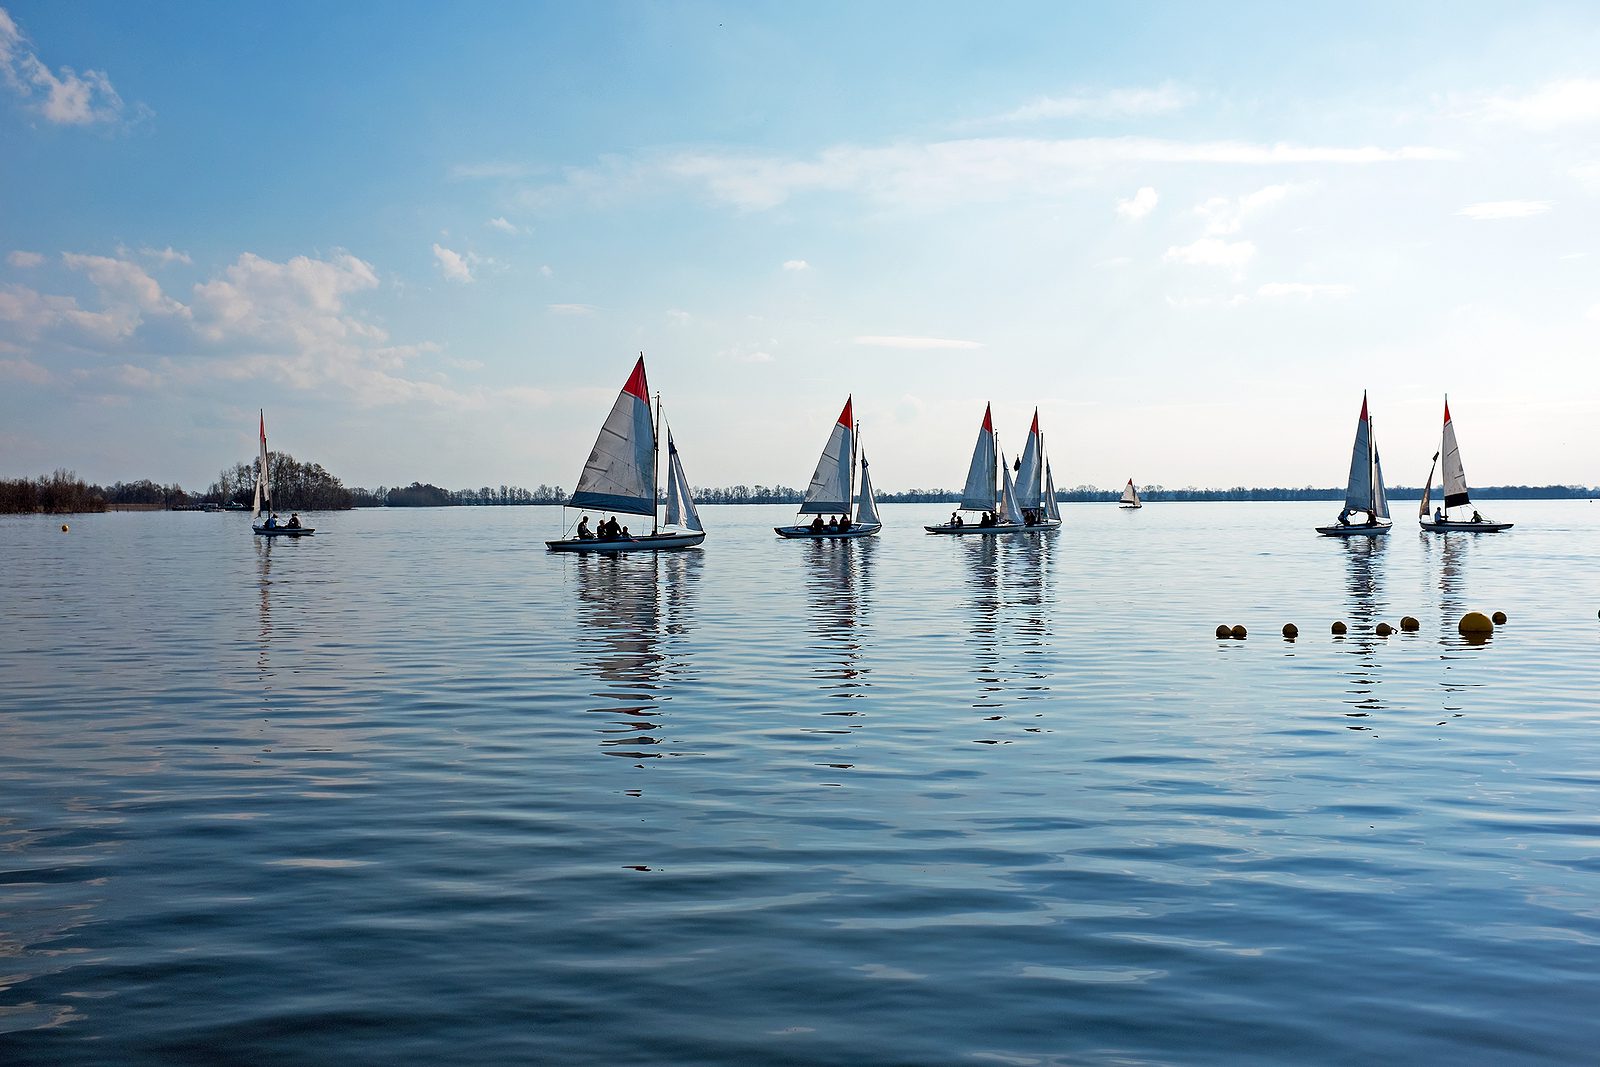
x: 805, y: 533
x: 1358, y: 530
x: 1130, y: 507
x: 1005, y: 528
x: 645, y: 543
x: 284, y: 531
x: 1465, y: 527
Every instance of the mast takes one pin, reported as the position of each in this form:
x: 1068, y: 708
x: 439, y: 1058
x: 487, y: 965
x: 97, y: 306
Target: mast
x: 855, y: 440
x: 655, y: 464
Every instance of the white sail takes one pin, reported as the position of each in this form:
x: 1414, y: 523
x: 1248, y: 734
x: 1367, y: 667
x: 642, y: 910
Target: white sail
x: 1029, y: 470
x: 620, y: 472
x: 1358, y: 491
x: 1130, y: 495
x: 263, y: 475
x: 1380, y: 498
x: 1052, y: 507
x: 979, y: 495
x: 1453, y: 474
x: 1427, y: 489
x: 829, y: 491
x: 1010, y: 513
x: 680, y: 501
x: 866, y: 503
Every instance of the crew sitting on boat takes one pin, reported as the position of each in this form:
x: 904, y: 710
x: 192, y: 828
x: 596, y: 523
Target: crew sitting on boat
x: 987, y: 520
x: 833, y: 525
x: 624, y: 535
x: 816, y: 525
x: 1438, y: 514
x: 844, y: 523
x: 956, y: 519
x: 609, y: 530
x: 271, y: 523
x: 584, y: 533
x: 294, y: 521
x: 1476, y: 517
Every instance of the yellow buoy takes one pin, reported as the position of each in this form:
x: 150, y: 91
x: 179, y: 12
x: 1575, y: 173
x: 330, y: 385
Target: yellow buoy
x: 1475, y: 622
x: 1238, y: 633
x: 1223, y: 630
x: 1499, y: 618
x: 1291, y: 631
x: 1410, y: 624
x: 1339, y: 629
x: 1383, y: 629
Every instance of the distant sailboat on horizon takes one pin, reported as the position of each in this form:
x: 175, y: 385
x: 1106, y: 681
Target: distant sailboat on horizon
x: 1454, y: 478
x: 833, y: 487
x: 1130, y: 497
x: 1364, y: 490
x: 263, y: 497
x: 621, y: 476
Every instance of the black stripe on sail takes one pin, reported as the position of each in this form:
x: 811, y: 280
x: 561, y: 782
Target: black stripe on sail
x: 1455, y: 500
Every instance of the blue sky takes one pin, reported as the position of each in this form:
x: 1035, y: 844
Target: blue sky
x: 429, y: 240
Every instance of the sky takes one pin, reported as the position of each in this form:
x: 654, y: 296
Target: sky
x: 430, y: 240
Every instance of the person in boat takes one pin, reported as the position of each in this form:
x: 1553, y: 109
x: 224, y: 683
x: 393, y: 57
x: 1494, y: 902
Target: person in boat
x: 1344, y: 517
x: 955, y: 519
x: 294, y: 521
x: 1438, y: 515
x: 1476, y: 517
x: 609, y: 530
x: 584, y: 533
x: 987, y: 520
x: 816, y: 525
x: 271, y: 523
x: 844, y: 523
x: 624, y: 535
x: 833, y: 524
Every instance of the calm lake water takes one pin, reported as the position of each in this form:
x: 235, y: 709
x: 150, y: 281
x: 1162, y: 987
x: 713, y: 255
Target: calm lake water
x: 416, y: 791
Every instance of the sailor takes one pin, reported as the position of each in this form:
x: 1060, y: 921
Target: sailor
x: 1344, y: 516
x: 271, y: 523
x: 1476, y: 517
x: 624, y: 535
x: 833, y: 524
x: 844, y: 522
x: 816, y: 525
x: 1438, y: 515
x: 294, y: 521
x: 584, y: 533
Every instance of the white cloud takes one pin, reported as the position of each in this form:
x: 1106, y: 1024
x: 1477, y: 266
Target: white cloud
x: 502, y: 225
x: 297, y: 305
x: 573, y: 309
x: 756, y: 357
x: 24, y: 370
x: 1225, y: 215
x: 546, y: 272
x: 165, y: 255
x: 796, y: 264
x: 1212, y: 252
x: 452, y: 264
x: 122, y: 281
x: 916, y: 342
x: 1111, y: 104
x: 65, y: 97
x: 679, y: 318
x: 1506, y: 209
x: 1562, y: 103
x: 24, y: 259
x: 1588, y: 174
x: 1305, y: 289
x: 471, y: 171
x: 1202, y: 303
x: 1139, y: 205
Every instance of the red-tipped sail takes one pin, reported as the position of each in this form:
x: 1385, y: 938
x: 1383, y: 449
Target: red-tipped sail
x: 637, y: 386
x: 988, y: 424
x: 829, y: 491
x: 846, y: 419
x: 620, y: 472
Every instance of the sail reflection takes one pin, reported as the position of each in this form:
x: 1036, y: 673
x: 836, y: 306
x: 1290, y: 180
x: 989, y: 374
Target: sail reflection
x: 632, y: 610
x: 1009, y: 620
x: 838, y: 584
x: 263, y: 547
x: 1364, y: 589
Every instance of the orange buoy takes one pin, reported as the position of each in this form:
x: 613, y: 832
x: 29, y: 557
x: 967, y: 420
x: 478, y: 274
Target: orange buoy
x: 1383, y: 629
x: 1339, y: 629
x: 1410, y: 624
x: 1238, y: 633
x: 1223, y: 630
x: 1475, y: 623
x: 1499, y: 618
x: 1290, y: 631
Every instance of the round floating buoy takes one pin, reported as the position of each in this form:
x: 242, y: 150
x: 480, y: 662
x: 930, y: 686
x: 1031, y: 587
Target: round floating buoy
x: 1383, y: 629
x: 1238, y: 633
x: 1475, y: 622
x: 65, y: 527
x: 1499, y: 618
x: 1339, y: 629
x: 1291, y: 631
x: 1224, y: 631
x: 1410, y: 625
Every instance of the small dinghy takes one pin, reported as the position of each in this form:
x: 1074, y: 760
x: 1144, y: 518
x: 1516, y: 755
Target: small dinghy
x: 999, y: 509
x: 832, y: 488
x: 271, y: 527
x: 1364, y: 491
x: 620, y: 478
x: 1455, y: 491
x: 1130, y: 497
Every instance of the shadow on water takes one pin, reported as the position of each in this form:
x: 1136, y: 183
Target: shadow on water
x: 631, y: 611
x: 1009, y: 620
x: 1364, y: 557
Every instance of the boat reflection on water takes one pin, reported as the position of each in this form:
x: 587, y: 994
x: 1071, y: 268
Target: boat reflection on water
x: 632, y: 611
x: 264, y: 608
x: 1009, y: 620
x: 1454, y: 551
x: 838, y: 590
x: 1364, y: 558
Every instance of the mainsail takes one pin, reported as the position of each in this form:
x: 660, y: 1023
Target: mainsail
x: 1427, y: 489
x: 829, y: 492
x: 1358, y: 492
x: 263, y: 474
x: 1028, y: 470
x: 979, y: 492
x: 1380, y: 499
x: 620, y: 472
x: 1130, y: 495
x: 1010, y: 513
x: 866, y: 503
x: 680, y: 502
x: 1455, y: 476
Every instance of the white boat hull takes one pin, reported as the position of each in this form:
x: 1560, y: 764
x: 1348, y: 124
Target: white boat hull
x: 1464, y: 527
x: 1359, y: 529
x: 863, y: 529
x: 644, y: 543
x: 1003, y: 528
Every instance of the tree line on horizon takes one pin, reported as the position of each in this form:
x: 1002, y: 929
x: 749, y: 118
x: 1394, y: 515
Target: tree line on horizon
x: 300, y: 486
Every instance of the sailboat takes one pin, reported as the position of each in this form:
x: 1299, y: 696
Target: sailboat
x: 999, y: 508
x: 1130, y: 497
x: 833, y: 486
x: 263, y: 498
x: 621, y: 476
x: 1031, y: 493
x: 1455, y: 490
x: 1364, y: 492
